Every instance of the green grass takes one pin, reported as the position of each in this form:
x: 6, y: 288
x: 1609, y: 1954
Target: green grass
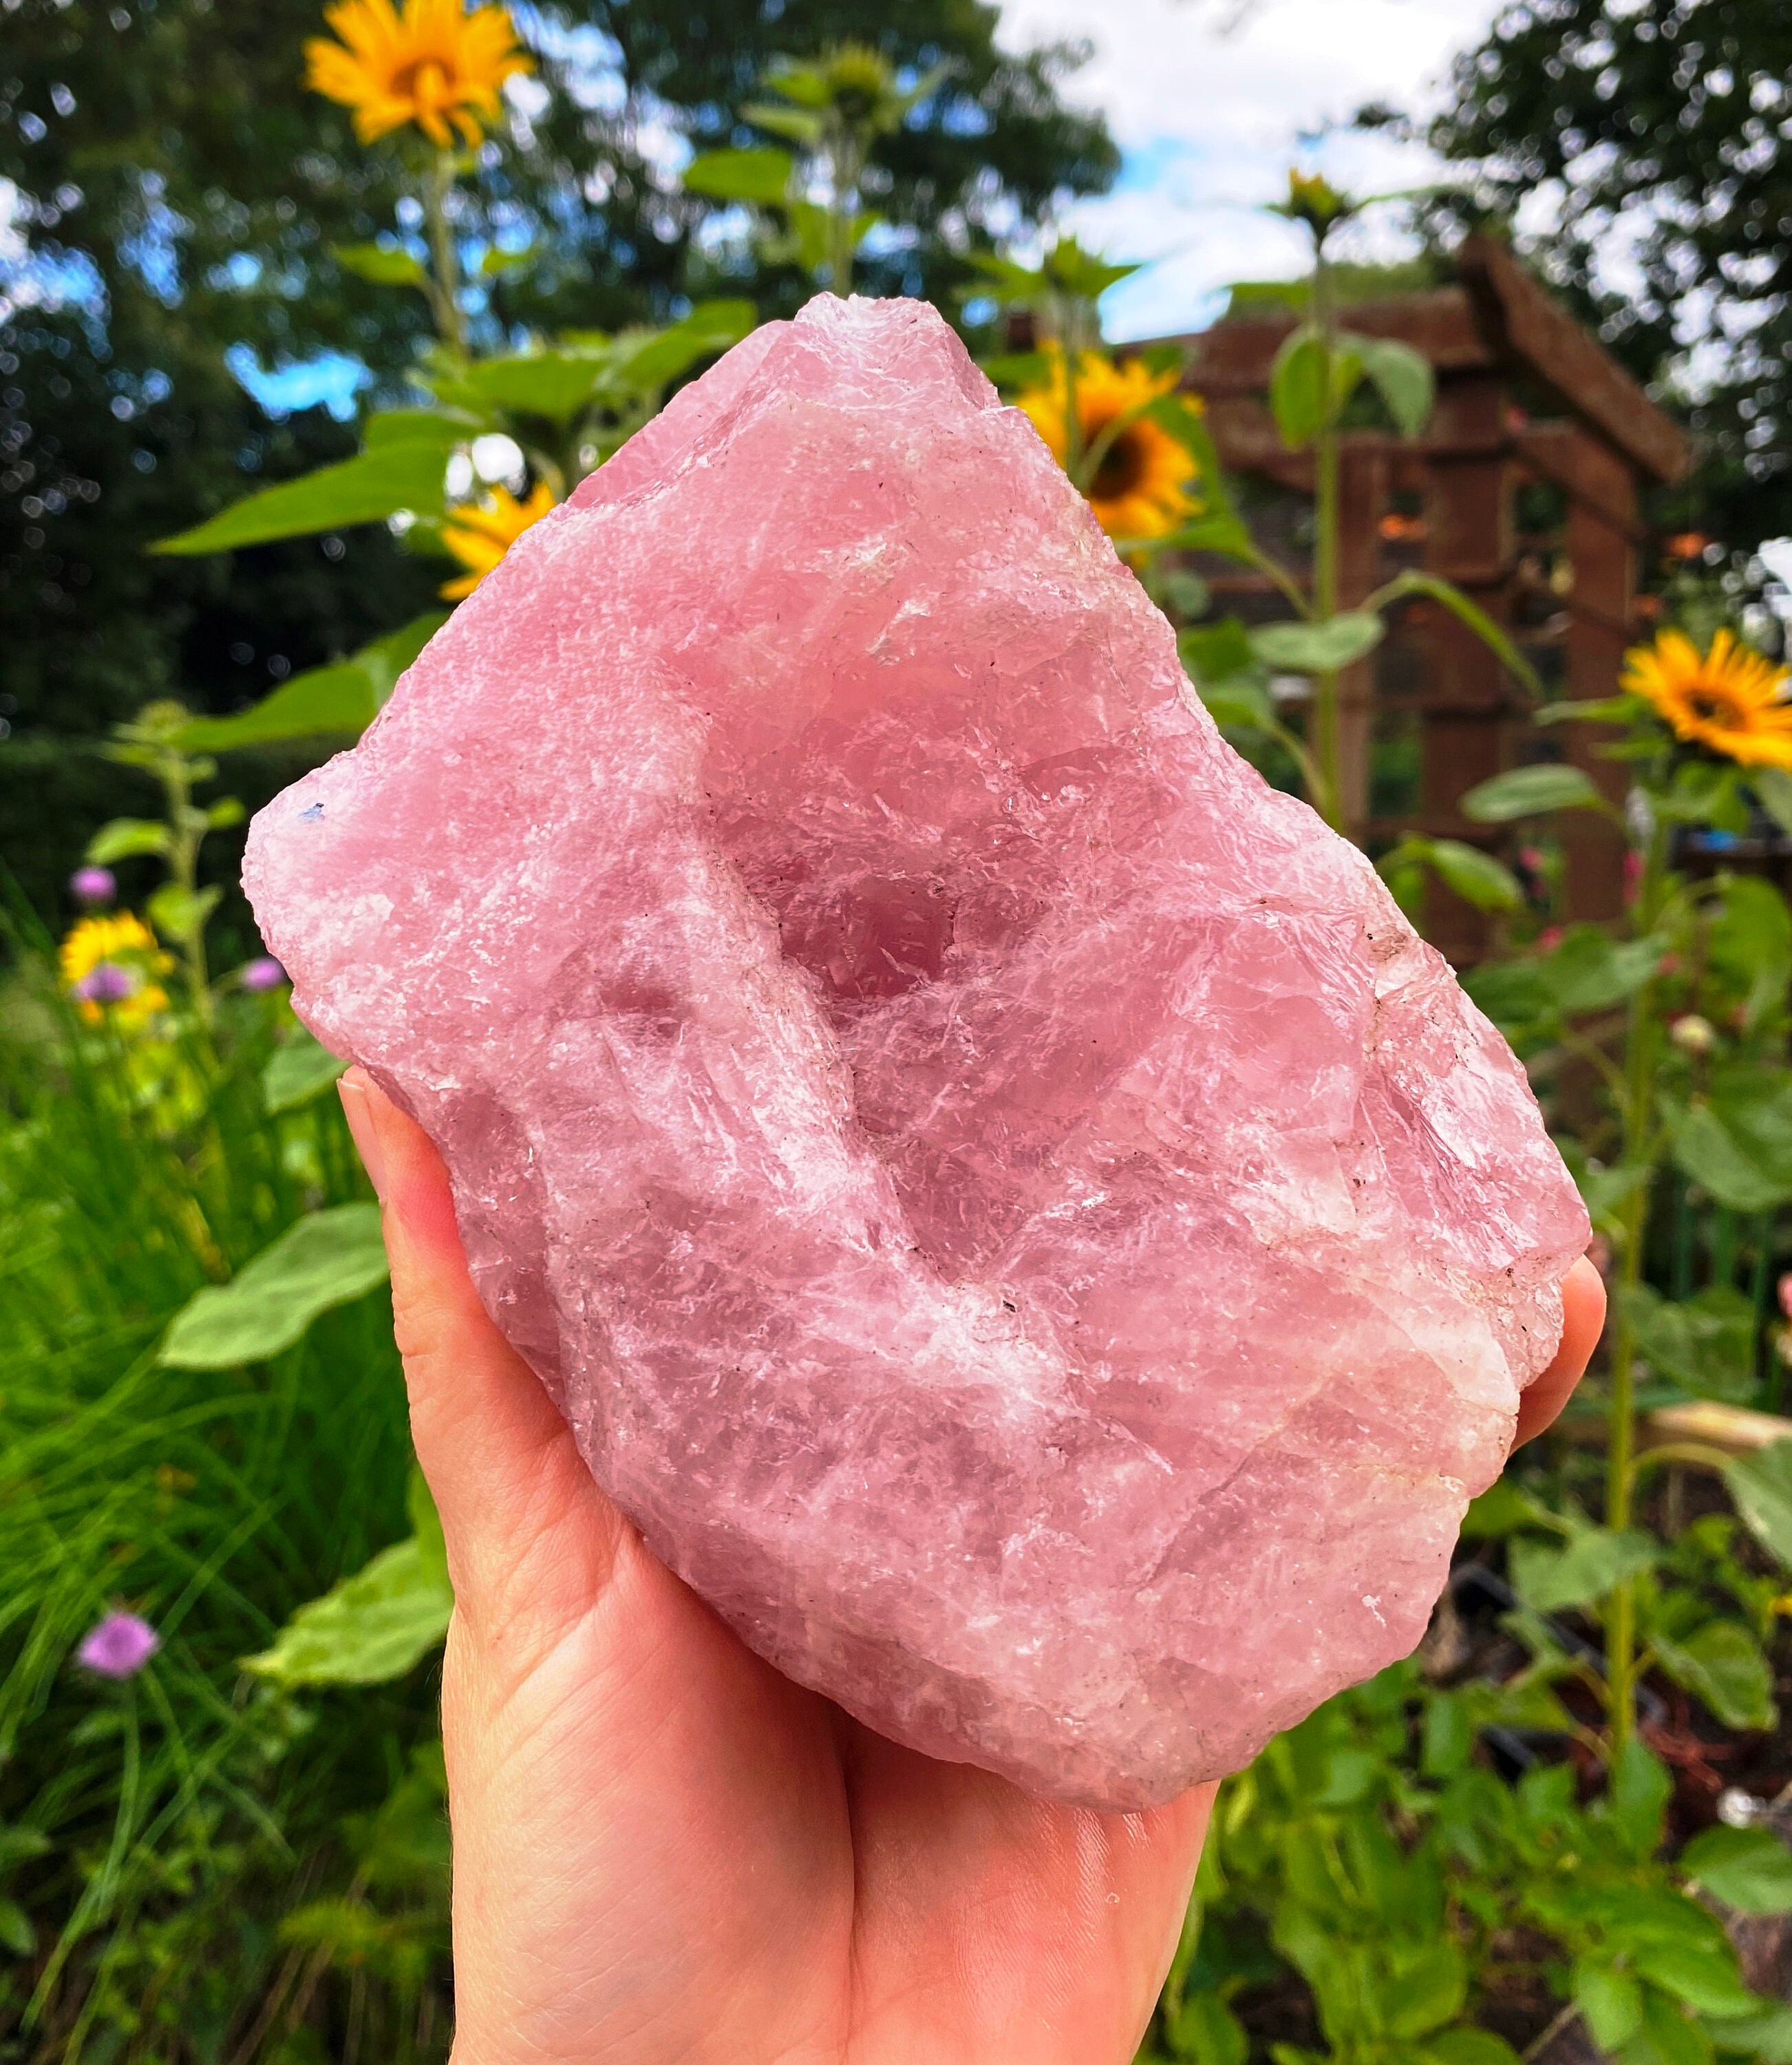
x: 192, y: 1827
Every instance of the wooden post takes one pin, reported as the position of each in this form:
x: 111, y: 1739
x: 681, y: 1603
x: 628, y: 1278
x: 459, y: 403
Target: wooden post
x: 1469, y: 519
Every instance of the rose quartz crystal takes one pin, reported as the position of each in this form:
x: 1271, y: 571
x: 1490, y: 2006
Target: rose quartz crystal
x: 1004, y: 1199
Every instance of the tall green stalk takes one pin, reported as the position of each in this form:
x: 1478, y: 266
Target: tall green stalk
x: 187, y: 827
x: 1642, y: 1034
x: 445, y: 283
x: 847, y: 155
x: 1325, y: 514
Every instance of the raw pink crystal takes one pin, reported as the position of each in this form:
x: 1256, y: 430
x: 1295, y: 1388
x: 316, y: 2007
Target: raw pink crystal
x: 1005, y: 1200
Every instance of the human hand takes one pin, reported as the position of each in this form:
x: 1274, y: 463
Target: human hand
x: 665, y: 1850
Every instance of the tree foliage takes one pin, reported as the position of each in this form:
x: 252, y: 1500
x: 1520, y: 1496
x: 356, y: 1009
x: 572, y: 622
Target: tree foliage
x: 1668, y: 122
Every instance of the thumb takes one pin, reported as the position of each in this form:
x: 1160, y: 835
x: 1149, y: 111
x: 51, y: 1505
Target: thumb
x: 531, y: 1538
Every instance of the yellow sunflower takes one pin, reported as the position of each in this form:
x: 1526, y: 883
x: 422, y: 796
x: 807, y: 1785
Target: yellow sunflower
x: 1144, y: 479
x: 431, y: 65
x: 1729, y: 699
x: 109, y: 966
x: 479, y: 533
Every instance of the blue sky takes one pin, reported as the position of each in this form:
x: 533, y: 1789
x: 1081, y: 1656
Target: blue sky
x: 1211, y: 100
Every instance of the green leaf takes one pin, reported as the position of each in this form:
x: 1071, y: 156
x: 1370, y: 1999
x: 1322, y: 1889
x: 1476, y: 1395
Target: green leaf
x: 337, y: 700
x: 1205, y: 2031
x: 1297, y: 387
x: 296, y: 1072
x: 1512, y: 993
x: 1309, y: 385
x: 801, y: 127
x: 425, y: 1524
x: 1184, y: 593
x: 227, y: 811
x: 1705, y: 1979
x: 1318, y: 649
x: 1215, y: 654
x: 125, y: 838
x: 1747, y: 1869
x: 1529, y: 792
x: 1448, y: 1738
x: 1772, y: 785
x: 762, y: 178
x: 371, y: 1628
x: 327, y: 1259
x: 1606, y: 1191
x: 340, y: 700
x: 1666, y: 2037
x: 556, y: 385
x: 436, y: 430
x: 1636, y: 1798
x: 1590, y: 971
x: 383, y: 266
x: 711, y: 327
x: 17, y: 1935
x: 1760, y: 1486
x: 1429, y: 1990
x: 1220, y: 533
x: 1738, y: 1139
x: 1434, y: 588
x: 1590, y: 709
x: 19, y: 1846
x: 1502, y: 1509
x: 1547, y: 1579
x: 178, y: 913
x: 1703, y: 793
x: 1723, y: 1665
x: 1468, y: 2046
x: 1476, y: 876
x: 1610, y: 2002
x: 407, y: 473
x: 1239, y: 705
x: 497, y: 260
x: 1761, y: 2039
x: 1401, y: 376
x: 1706, y: 1342
x: 1748, y: 943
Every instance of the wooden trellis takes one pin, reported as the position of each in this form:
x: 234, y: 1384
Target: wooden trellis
x: 1525, y: 490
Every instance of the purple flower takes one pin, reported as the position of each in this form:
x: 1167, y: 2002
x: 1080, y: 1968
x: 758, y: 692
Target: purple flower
x: 93, y: 885
x: 265, y: 972
x: 107, y: 982
x: 118, y: 1646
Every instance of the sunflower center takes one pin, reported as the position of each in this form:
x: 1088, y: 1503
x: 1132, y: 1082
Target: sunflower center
x: 1709, y: 705
x: 1123, y: 466
x: 425, y: 83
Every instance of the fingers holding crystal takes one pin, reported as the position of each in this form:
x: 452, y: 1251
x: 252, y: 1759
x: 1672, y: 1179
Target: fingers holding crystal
x: 1583, y: 1317
x: 522, y: 1518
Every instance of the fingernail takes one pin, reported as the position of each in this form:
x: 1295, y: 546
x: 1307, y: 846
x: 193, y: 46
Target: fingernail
x: 359, y: 1111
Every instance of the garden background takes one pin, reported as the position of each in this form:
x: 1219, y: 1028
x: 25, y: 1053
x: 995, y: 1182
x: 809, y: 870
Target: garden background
x: 1556, y: 1831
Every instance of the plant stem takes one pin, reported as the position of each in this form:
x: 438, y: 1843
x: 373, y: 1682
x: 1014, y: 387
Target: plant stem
x: 1326, y: 743
x: 1637, y: 1111
x: 188, y: 826
x: 846, y: 157
x: 445, y: 285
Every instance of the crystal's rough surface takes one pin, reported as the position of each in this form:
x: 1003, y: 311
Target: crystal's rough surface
x: 1006, y: 1202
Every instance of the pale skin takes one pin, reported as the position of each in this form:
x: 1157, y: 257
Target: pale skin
x: 665, y: 1853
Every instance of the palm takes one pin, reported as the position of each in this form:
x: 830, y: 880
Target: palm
x: 735, y: 1869
x: 665, y: 1850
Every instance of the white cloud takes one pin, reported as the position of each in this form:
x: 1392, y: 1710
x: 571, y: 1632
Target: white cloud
x: 1210, y: 120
